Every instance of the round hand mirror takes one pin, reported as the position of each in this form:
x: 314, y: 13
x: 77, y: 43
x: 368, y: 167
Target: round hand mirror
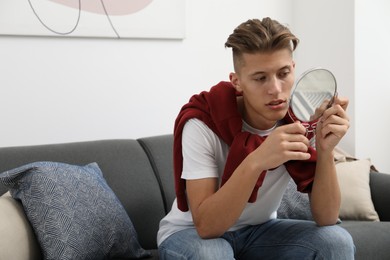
x: 314, y: 92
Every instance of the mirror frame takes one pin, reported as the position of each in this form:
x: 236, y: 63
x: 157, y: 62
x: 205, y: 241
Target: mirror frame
x: 310, y: 125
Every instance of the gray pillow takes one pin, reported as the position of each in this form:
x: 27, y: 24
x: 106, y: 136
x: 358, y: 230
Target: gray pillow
x: 73, y: 211
x: 294, y: 205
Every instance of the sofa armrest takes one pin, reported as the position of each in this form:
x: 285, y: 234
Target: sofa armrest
x: 17, y: 239
x: 380, y: 194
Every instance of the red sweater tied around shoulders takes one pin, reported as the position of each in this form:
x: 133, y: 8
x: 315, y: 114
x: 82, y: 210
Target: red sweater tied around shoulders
x: 217, y: 108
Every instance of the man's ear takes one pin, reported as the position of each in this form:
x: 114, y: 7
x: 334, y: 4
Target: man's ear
x: 235, y: 81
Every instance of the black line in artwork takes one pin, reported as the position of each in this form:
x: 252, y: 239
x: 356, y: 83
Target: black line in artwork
x: 77, y: 22
x: 109, y: 19
x: 52, y: 30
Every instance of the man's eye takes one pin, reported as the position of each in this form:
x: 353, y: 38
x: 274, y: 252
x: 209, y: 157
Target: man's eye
x: 284, y: 74
x: 262, y: 78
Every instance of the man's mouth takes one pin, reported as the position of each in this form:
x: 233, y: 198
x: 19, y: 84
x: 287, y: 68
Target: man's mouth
x: 277, y: 103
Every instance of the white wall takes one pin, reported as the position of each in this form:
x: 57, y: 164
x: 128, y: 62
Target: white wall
x: 351, y: 38
x: 325, y: 29
x: 58, y: 90
x: 61, y: 89
x: 372, y: 54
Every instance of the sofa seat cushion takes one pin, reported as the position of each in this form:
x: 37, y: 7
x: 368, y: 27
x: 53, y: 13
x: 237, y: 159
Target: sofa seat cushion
x: 371, y: 238
x: 73, y: 211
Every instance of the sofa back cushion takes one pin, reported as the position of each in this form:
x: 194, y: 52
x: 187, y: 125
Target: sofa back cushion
x: 160, y: 152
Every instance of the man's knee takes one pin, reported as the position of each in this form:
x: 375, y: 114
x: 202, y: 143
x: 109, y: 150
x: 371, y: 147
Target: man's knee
x: 337, y: 241
x: 188, y: 245
x: 212, y: 249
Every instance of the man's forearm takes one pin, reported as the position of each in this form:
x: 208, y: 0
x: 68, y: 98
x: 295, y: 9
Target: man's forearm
x: 325, y: 197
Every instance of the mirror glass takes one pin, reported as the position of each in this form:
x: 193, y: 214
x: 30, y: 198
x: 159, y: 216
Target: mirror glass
x: 314, y: 92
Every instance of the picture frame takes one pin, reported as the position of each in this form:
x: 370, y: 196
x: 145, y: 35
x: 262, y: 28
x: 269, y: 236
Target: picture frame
x: 159, y: 19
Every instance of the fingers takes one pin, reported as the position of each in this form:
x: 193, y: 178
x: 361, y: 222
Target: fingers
x: 320, y: 110
x: 338, y: 108
x: 296, y: 155
x: 335, y: 115
x: 335, y: 119
x: 337, y: 129
x: 294, y: 128
x: 286, y: 142
x: 342, y: 101
x: 295, y: 143
x: 295, y: 132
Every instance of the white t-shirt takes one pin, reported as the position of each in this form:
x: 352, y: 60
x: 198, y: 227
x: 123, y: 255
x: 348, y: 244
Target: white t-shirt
x: 204, y: 156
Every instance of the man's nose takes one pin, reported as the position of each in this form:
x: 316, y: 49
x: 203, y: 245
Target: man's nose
x: 275, y: 86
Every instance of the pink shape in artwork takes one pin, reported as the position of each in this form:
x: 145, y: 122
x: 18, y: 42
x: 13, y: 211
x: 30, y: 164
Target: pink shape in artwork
x: 113, y: 7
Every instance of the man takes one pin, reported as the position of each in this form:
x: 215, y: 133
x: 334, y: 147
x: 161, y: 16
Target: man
x: 234, y: 154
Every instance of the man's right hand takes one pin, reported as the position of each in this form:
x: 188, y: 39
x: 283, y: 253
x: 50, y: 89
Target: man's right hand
x: 286, y: 142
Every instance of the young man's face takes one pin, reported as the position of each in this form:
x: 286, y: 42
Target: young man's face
x: 266, y: 81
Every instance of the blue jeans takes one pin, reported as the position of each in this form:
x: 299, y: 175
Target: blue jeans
x: 275, y: 239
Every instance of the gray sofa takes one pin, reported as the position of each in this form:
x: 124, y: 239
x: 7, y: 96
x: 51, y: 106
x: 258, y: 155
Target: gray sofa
x: 140, y: 174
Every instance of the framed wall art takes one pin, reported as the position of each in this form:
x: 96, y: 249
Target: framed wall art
x: 164, y: 19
